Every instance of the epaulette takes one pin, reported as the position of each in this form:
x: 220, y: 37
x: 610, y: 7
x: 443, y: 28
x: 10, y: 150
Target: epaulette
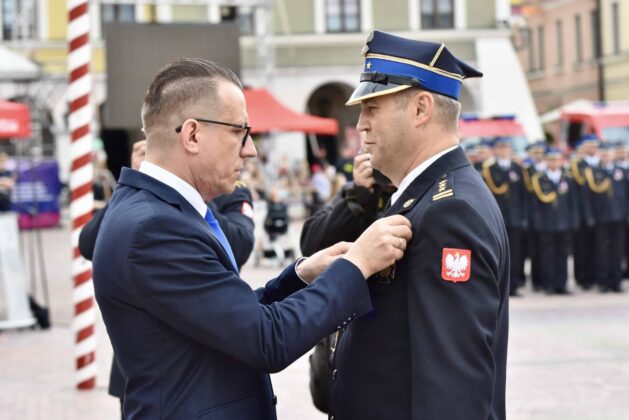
x: 240, y: 184
x: 444, y: 187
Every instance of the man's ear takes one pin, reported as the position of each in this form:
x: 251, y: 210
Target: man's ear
x: 188, y: 136
x: 423, y: 107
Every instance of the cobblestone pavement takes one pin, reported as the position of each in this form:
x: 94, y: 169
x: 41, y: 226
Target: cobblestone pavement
x: 568, y: 357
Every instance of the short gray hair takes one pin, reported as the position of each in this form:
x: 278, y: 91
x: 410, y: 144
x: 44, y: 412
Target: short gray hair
x: 447, y: 109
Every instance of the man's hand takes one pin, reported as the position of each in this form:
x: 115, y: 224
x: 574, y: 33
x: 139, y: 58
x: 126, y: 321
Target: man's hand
x: 381, y: 245
x: 363, y: 172
x: 310, y: 268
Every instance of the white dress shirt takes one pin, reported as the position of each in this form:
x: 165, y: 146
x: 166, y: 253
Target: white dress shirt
x: 188, y: 192
x: 408, y: 179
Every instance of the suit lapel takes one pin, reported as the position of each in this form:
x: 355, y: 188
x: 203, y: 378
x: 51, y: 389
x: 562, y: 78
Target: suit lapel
x: 138, y: 180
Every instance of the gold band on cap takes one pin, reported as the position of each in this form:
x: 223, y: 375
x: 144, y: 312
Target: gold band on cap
x: 437, y: 70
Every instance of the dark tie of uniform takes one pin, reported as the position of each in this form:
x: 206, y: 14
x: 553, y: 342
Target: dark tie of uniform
x: 218, y: 233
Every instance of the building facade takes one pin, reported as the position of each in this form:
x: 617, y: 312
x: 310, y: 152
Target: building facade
x: 557, y: 45
x: 615, y: 46
x: 573, y: 50
x: 307, y: 52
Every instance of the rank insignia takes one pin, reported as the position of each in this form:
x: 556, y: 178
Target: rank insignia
x: 408, y: 203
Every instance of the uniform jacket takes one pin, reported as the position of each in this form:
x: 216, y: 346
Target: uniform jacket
x: 433, y: 348
x: 193, y: 339
x: 510, y: 192
x: 604, y: 196
x: 555, y: 206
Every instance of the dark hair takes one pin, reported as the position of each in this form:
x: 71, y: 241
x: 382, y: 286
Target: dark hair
x: 181, y: 83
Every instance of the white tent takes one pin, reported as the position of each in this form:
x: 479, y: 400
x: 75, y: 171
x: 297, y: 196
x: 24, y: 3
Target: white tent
x: 14, y: 67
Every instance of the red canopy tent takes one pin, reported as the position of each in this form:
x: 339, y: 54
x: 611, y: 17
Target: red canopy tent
x: 15, y: 120
x: 267, y: 114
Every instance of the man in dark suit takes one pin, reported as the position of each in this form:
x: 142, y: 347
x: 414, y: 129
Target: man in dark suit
x: 234, y: 213
x: 191, y: 337
x: 435, y: 345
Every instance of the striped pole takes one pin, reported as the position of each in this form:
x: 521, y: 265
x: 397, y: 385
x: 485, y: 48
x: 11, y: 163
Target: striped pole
x: 81, y: 176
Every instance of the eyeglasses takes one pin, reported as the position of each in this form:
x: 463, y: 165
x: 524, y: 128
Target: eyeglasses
x: 241, y: 126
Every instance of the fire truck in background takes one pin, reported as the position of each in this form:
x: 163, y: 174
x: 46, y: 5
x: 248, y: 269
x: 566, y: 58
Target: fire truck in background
x: 473, y: 129
x: 608, y: 120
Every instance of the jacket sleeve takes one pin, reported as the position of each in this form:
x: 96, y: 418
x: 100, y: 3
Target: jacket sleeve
x: 89, y: 233
x: 193, y: 293
x: 453, y: 325
x: 231, y: 212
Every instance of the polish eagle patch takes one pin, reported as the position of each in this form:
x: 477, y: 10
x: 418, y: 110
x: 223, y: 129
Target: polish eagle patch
x: 456, y: 264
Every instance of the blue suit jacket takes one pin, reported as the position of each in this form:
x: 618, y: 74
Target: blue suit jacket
x: 192, y: 338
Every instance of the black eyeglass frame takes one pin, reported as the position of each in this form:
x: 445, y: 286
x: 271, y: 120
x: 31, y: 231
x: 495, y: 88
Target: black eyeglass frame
x: 241, y: 126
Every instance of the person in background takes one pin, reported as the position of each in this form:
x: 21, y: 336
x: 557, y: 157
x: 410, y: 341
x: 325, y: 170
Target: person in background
x: 484, y: 152
x: 506, y: 182
x: 353, y: 209
x: 7, y: 182
x: 605, y: 207
x: 554, y: 215
x: 585, y: 236
x: 622, y: 161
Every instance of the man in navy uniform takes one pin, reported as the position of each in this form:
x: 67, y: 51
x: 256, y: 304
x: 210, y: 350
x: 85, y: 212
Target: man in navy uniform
x: 554, y: 217
x: 192, y: 339
x: 435, y: 345
x: 505, y: 180
x: 622, y: 161
x: 605, y: 210
x: 584, y: 243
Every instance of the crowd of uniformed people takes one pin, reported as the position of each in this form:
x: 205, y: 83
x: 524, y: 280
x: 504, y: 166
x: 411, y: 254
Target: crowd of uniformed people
x: 555, y: 205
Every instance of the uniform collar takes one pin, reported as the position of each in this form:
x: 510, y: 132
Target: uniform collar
x: 408, y: 179
x: 452, y: 159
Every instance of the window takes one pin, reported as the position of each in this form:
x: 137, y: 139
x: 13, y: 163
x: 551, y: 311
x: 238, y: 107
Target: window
x: 117, y: 12
x: 19, y: 19
x: 540, y: 43
x: 616, y: 28
x: 595, y: 34
x: 437, y: 14
x: 243, y: 17
x: 342, y: 15
x: 530, y: 48
x: 559, y: 26
x: 579, y: 38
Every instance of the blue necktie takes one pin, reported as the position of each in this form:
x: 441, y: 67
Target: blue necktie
x: 218, y: 232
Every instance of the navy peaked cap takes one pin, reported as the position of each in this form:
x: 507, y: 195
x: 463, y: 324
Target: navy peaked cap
x: 393, y: 64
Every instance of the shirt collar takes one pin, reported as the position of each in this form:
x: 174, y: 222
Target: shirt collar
x: 188, y: 192
x: 408, y: 179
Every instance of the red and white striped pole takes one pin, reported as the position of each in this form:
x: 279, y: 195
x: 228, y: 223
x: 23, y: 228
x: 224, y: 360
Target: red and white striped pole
x: 81, y: 176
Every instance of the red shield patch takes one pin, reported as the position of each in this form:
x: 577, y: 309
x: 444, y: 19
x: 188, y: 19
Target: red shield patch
x: 247, y: 209
x: 456, y: 264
